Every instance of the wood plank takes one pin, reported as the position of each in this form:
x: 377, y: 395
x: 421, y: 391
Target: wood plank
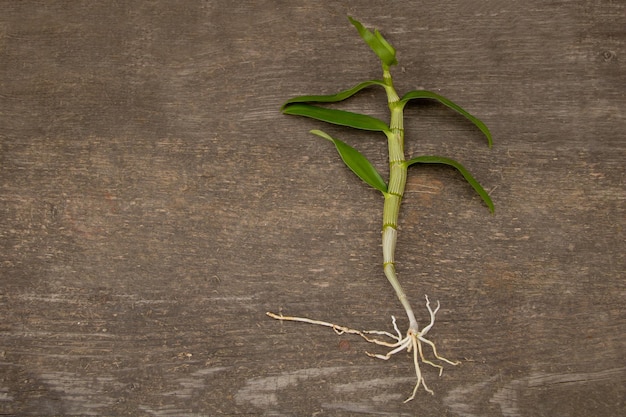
x: 155, y: 204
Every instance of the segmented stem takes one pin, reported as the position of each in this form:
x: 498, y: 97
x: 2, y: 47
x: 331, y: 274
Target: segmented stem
x: 395, y: 191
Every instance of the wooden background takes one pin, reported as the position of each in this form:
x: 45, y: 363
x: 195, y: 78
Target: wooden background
x: 154, y: 204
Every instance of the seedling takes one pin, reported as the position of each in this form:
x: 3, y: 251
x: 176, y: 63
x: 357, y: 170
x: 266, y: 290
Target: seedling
x: 392, y: 191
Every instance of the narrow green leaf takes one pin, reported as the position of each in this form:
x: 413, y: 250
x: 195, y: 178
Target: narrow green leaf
x: 358, y: 163
x: 379, y: 45
x: 338, y: 117
x: 421, y: 94
x: 333, y: 98
x: 468, y: 177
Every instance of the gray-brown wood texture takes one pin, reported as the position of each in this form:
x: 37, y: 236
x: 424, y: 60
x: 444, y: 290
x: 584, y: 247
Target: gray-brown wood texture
x: 154, y: 204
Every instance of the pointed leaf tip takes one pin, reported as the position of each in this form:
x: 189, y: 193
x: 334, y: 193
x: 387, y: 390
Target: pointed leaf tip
x: 433, y: 159
x: 383, y: 49
x: 424, y: 94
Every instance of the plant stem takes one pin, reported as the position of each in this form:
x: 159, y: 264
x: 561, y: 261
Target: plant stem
x: 395, y: 191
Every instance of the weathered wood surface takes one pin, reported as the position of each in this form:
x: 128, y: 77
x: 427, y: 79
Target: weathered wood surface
x: 155, y: 204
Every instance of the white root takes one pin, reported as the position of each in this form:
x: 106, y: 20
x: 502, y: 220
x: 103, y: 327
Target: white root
x: 411, y: 342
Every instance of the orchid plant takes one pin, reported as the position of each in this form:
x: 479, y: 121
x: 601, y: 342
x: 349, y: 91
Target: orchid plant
x: 415, y: 338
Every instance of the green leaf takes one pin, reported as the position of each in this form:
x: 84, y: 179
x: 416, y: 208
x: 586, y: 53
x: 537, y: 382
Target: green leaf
x: 338, y: 117
x: 379, y: 45
x: 421, y: 94
x: 358, y: 163
x: 468, y: 177
x: 333, y: 98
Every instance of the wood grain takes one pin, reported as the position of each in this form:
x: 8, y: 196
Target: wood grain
x: 154, y: 204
